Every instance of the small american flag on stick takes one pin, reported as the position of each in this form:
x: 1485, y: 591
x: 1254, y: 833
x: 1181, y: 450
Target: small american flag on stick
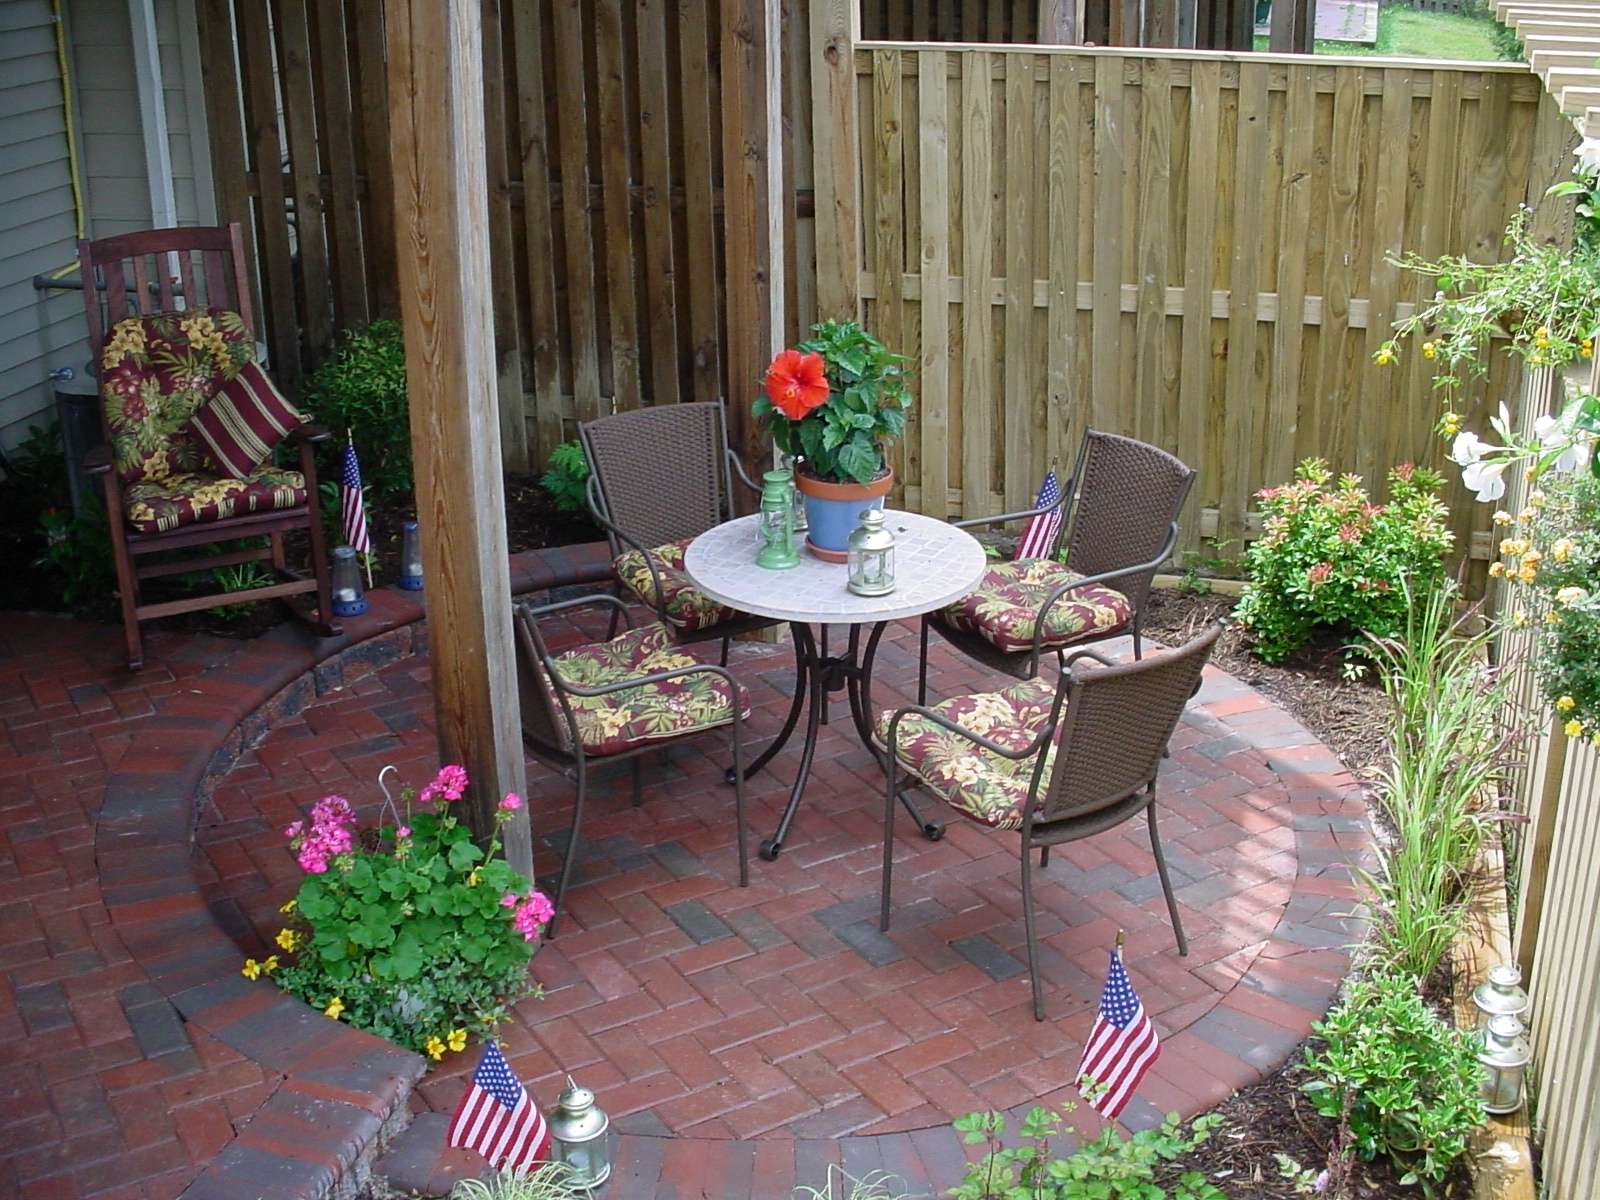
x: 1040, y: 533
x: 1122, y: 1045
x: 353, y: 509
x: 497, y: 1117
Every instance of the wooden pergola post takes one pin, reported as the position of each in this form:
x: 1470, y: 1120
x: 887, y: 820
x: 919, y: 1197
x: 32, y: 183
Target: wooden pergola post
x: 436, y: 125
x: 836, y: 170
x: 752, y: 174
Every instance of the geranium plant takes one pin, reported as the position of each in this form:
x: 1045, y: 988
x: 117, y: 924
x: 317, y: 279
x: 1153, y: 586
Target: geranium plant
x: 836, y: 401
x: 414, y: 932
x: 1329, y: 557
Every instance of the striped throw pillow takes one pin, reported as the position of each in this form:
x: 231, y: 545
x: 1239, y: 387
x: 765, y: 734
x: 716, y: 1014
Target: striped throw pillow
x: 241, y: 424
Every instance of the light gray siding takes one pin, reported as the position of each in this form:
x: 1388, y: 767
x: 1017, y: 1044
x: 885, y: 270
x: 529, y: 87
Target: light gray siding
x: 38, y: 330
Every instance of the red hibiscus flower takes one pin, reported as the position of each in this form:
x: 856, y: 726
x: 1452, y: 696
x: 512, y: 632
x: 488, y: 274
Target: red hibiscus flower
x: 796, y: 383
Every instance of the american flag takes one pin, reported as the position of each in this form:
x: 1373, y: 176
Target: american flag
x: 1122, y: 1044
x: 1041, y: 531
x: 498, y: 1118
x: 354, y: 509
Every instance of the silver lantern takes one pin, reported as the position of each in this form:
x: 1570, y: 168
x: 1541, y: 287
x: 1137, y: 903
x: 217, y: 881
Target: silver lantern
x: 349, y: 598
x: 410, y: 557
x: 1504, y: 1059
x: 1500, y: 993
x: 871, y: 556
x: 578, y: 1136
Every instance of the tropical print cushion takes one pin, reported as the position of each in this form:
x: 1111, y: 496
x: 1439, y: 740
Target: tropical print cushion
x: 1005, y: 607
x: 621, y: 720
x: 685, y: 607
x: 154, y: 373
x: 986, y: 786
x: 161, y: 505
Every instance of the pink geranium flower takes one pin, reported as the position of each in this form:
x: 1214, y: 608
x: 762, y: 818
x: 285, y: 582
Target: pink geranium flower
x: 511, y: 803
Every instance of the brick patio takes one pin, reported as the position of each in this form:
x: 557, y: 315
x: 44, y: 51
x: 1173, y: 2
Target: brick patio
x: 767, y: 1030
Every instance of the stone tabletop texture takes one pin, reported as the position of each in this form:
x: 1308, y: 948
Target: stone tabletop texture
x: 934, y: 564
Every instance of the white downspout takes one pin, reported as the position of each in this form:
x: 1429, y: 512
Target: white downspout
x: 153, y: 114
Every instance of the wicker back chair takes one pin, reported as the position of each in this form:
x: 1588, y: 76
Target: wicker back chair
x: 1119, y: 518
x: 658, y: 478
x: 1075, y: 760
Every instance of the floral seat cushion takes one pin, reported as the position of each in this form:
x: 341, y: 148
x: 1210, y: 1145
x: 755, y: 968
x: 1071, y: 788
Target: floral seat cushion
x: 652, y: 711
x: 685, y: 606
x: 986, y: 786
x: 162, y: 505
x: 1004, y: 608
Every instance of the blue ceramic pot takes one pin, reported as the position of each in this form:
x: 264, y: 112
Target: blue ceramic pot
x: 833, y: 510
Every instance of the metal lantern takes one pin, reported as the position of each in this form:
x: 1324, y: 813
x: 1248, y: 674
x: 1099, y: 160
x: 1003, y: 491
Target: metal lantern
x: 1504, y: 1059
x: 578, y: 1136
x: 777, y: 551
x: 1500, y: 993
x: 349, y: 598
x: 410, y: 557
x: 871, y: 556
x: 787, y: 462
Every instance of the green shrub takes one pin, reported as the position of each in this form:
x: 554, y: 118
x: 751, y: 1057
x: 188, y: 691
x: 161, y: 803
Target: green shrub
x: 546, y: 1181
x: 1564, y: 527
x: 1106, y: 1167
x: 78, y: 549
x: 565, y: 477
x: 1405, y: 1081
x: 362, y: 389
x: 1331, y: 559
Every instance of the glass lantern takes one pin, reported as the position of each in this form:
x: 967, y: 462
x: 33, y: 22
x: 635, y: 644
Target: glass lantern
x: 788, y: 462
x: 578, y: 1137
x: 349, y: 597
x: 871, y: 556
x: 410, y: 557
x: 1500, y: 993
x: 777, y: 551
x: 1504, y: 1059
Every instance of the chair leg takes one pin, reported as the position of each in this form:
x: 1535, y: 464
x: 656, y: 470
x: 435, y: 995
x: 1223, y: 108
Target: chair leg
x: 1138, y: 638
x: 722, y: 659
x: 738, y: 805
x: 572, y: 850
x: 1044, y: 857
x: 320, y: 567
x: 127, y: 577
x: 922, y: 665
x: 1031, y: 933
x: 889, y: 771
x: 616, y: 613
x: 637, y: 771
x: 1166, y: 882
x: 280, y: 561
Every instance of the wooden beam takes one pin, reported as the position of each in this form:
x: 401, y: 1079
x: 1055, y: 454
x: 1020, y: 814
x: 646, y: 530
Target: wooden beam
x: 752, y: 172
x: 1060, y: 22
x: 835, y: 148
x: 436, y: 123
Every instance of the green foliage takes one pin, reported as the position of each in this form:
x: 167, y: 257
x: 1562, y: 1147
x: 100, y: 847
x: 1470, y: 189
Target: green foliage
x: 1106, y: 1167
x: 38, y: 468
x: 841, y: 1185
x: 565, y: 476
x: 1446, y: 751
x: 362, y: 388
x: 844, y: 439
x: 1331, y: 559
x: 1585, y: 185
x: 1405, y: 1081
x: 411, y: 939
x: 546, y: 1181
x: 239, y: 577
x: 78, y: 549
x: 1566, y: 527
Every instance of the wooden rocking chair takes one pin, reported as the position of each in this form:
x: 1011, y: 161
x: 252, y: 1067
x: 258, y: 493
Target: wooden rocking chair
x: 180, y: 504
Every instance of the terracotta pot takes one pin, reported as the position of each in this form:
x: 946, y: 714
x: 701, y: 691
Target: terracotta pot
x: 834, y: 509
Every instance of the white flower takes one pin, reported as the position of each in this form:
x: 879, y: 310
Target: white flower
x: 1554, y: 434
x: 1485, y: 479
x: 1501, y: 423
x: 1568, y: 596
x: 1468, y: 448
x: 1588, y: 154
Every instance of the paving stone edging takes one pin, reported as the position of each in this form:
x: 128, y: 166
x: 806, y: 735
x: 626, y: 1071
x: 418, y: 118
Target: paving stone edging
x: 340, y: 1093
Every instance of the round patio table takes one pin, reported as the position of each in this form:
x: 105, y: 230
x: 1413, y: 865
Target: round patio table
x: 934, y: 565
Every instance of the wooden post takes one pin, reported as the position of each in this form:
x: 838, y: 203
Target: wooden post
x: 752, y: 172
x: 1060, y: 22
x: 1293, y: 27
x: 835, y: 28
x: 442, y: 230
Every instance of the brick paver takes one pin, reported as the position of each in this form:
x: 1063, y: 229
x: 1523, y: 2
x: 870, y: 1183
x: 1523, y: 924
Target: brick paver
x: 734, y: 1034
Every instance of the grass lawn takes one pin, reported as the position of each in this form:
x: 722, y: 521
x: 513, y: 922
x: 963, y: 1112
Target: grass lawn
x: 1411, y: 34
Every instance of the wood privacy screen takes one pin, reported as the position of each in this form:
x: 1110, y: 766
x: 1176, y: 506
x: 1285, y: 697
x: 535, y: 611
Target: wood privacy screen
x: 1188, y: 248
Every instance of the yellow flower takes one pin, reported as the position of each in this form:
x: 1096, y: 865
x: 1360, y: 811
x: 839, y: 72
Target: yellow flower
x: 435, y: 1049
x: 1526, y: 514
x: 1566, y: 704
x: 288, y: 906
x: 1519, y: 620
x: 1496, y: 570
x: 251, y: 969
x: 1528, y: 573
x: 1552, y: 618
x: 1541, y: 336
x: 1383, y: 357
x: 1532, y: 558
x: 474, y: 877
x: 1573, y: 728
x: 457, y: 1039
x: 1508, y: 545
x: 1561, y: 549
x: 1586, y: 348
x: 1535, y: 499
x: 1451, y: 428
x: 270, y: 964
x: 1530, y: 474
x: 1429, y: 350
x: 287, y: 938
x: 1502, y: 517
x: 335, y: 1007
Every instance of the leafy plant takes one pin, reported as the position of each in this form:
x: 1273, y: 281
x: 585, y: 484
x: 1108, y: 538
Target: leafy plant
x: 546, y: 1181
x: 1404, y: 1081
x: 418, y: 935
x: 1562, y: 529
x: 836, y: 402
x: 38, y: 467
x: 1585, y: 185
x: 874, y: 1185
x: 1331, y: 559
x: 1106, y: 1167
x: 238, y: 577
x: 565, y: 476
x: 362, y: 388
x: 79, y: 550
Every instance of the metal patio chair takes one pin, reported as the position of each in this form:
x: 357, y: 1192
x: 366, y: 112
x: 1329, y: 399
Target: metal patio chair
x: 1120, y: 523
x: 1056, y: 763
x: 658, y: 478
x: 619, y: 699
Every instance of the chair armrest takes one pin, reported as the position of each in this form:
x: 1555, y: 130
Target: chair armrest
x: 1103, y: 577
x: 98, y: 460
x: 623, y: 685
x: 308, y: 434
x: 1007, y: 518
x: 945, y: 722
x: 739, y: 472
x: 1099, y: 658
x: 581, y: 602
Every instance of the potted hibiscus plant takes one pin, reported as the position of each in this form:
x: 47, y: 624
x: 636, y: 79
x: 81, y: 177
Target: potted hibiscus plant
x: 834, y: 404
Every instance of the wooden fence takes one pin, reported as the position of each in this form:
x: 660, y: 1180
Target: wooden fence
x: 1194, y: 249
